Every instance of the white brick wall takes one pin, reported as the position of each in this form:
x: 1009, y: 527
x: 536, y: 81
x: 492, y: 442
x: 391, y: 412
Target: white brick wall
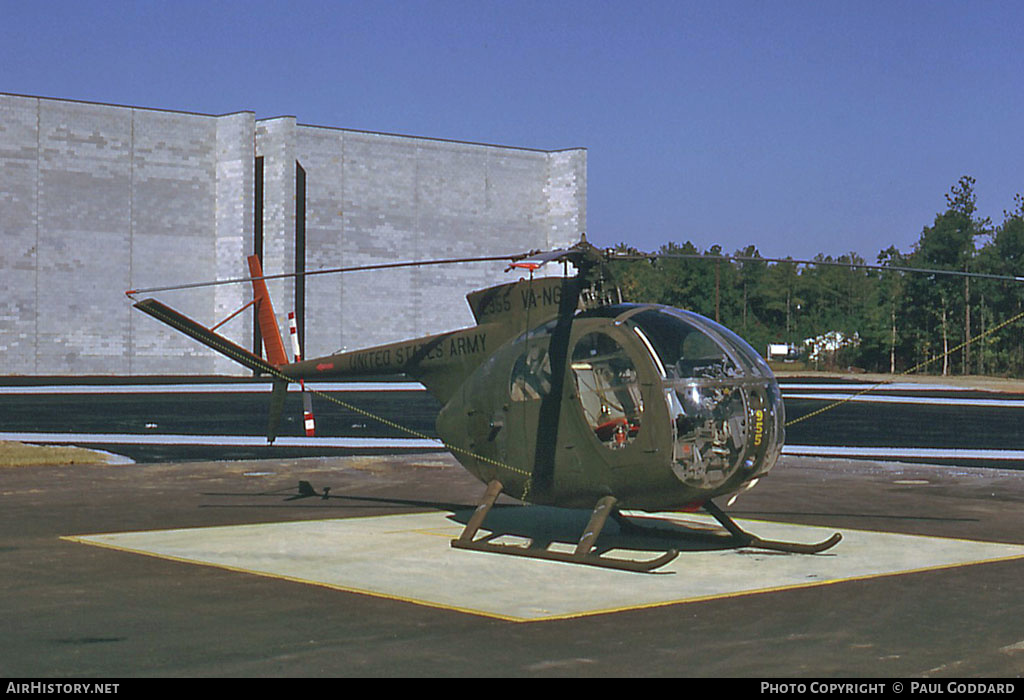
x: 96, y: 199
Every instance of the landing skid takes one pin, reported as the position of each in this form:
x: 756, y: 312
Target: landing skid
x: 738, y: 537
x: 745, y: 539
x: 584, y: 554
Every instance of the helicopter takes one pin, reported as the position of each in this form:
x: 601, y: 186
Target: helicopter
x: 565, y: 395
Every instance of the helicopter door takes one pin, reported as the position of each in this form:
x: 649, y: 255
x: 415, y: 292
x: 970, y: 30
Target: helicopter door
x: 529, y: 384
x: 608, y: 389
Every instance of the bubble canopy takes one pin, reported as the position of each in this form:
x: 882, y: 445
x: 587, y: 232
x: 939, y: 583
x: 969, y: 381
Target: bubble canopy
x: 723, y: 401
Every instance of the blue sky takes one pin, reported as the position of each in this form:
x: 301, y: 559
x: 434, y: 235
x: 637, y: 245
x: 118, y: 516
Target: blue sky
x: 799, y: 127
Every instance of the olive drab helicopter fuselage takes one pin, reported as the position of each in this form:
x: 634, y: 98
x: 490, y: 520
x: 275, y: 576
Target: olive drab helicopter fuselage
x: 562, y: 395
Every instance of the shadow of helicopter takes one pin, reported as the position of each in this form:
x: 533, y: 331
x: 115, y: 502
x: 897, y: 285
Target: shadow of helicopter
x: 538, y: 528
x: 305, y: 490
x: 544, y: 526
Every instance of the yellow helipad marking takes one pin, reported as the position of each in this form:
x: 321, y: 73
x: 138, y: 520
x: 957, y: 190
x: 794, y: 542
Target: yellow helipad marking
x: 402, y: 557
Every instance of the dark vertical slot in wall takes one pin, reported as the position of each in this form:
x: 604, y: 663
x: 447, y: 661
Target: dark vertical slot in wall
x: 300, y: 254
x: 257, y: 248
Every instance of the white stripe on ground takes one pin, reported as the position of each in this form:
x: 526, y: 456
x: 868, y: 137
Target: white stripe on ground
x: 204, y: 388
x: 415, y: 443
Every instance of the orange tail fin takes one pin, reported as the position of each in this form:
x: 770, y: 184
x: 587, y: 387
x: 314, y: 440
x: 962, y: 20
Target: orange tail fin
x: 265, y: 313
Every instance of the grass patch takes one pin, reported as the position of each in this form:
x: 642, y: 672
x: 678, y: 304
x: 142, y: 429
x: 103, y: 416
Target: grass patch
x: 17, y: 454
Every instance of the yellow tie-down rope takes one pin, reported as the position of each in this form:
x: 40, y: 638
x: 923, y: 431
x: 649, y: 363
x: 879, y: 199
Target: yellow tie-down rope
x: 916, y: 367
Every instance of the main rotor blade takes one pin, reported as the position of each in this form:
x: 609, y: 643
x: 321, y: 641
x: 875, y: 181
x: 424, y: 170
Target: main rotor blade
x: 832, y: 263
x: 356, y: 268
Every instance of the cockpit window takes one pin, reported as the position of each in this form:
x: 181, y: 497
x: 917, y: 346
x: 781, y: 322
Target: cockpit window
x: 684, y: 349
x: 691, y: 346
x: 724, y: 404
x: 608, y: 389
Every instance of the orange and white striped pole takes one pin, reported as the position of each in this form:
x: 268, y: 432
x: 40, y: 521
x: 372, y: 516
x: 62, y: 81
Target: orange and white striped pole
x: 307, y: 399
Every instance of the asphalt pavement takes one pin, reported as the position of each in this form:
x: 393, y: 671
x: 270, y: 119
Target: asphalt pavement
x: 75, y: 610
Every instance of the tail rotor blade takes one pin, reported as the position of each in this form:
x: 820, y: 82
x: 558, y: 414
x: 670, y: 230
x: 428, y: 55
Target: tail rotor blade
x: 307, y: 413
